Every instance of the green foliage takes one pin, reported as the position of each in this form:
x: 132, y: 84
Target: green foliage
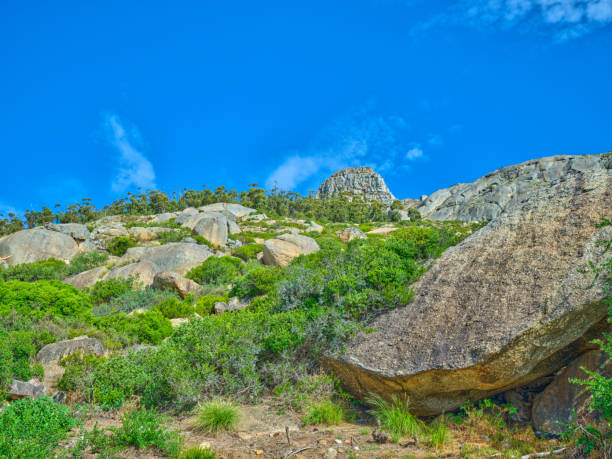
x: 105, y: 290
x: 79, y: 368
x: 325, y: 412
x: 217, y: 415
x: 87, y: 261
x: 248, y: 252
x: 173, y: 236
x: 438, y: 432
x: 120, y: 245
x: 145, y: 298
x: 150, y: 327
x: 197, y: 452
x: 395, y: 417
x: 17, y: 349
x: 32, y: 428
x: 42, y: 298
x: 50, y: 269
x: 205, y: 304
x: 215, y: 271
x: 256, y: 280
x: 173, y: 308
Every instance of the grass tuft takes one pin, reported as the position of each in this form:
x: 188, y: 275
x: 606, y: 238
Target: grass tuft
x: 198, y: 452
x: 217, y: 415
x: 325, y: 412
x: 395, y: 417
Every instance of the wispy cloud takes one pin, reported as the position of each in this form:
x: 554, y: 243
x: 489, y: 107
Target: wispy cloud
x: 134, y: 169
x: 562, y: 19
x: 362, y: 137
x: 414, y: 153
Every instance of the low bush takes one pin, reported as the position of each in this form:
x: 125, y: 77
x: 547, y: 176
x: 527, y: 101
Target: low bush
x: 173, y: 308
x: 17, y: 348
x: 215, y: 271
x: 43, y: 298
x: 257, y: 280
x: 105, y: 290
x: 217, y: 415
x: 395, y: 417
x: 87, y: 261
x: 248, y: 252
x: 50, y: 269
x: 32, y: 428
x: 325, y: 412
x: 120, y: 245
x: 205, y: 304
x: 198, y: 452
x: 145, y: 298
x: 150, y: 327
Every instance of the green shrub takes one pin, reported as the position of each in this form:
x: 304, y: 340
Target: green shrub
x: 247, y: 252
x: 32, y: 428
x: 173, y: 308
x: 150, y: 327
x: 17, y: 349
x: 120, y: 245
x: 198, y: 452
x: 395, y: 417
x: 325, y: 412
x: 217, y: 415
x: 215, y: 271
x: 105, y: 290
x: 206, y: 304
x: 50, y: 269
x: 79, y: 370
x: 257, y: 280
x: 87, y: 261
x: 144, y: 429
x: 145, y: 298
x: 202, y: 240
x: 173, y: 236
x: 43, y: 298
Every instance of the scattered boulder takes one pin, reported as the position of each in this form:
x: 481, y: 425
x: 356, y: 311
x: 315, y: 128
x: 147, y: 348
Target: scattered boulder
x: 501, y: 309
x: 37, y: 244
x: 177, y: 322
x: 284, y: 248
x: 314, y: 227
x: 234, y: 304
x: 30, y: 389
x: 185, y: 214
x: 561, y: 399
x: 142, y: 272
x: 74, y: 230
x: 168, y: 280
x: 232, y: 227
x: 55, y: 352
x: 146, y: 234
x: 109, y: 231
x: 213, y: 228
x: 165, y: 217
x: 350, y: 234
x: 359, y: 181
x: 87, y: 278
x: 174, y: 256
x: 237, y: 210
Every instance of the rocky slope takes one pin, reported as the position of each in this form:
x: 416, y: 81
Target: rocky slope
x: 505, y: 306
x: 361, y: 181
x: 486, y: 198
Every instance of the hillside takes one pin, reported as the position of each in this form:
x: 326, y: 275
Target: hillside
x: 220, y: 319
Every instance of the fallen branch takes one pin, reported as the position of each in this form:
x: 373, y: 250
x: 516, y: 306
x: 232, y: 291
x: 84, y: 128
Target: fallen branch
x: 297, y: 451
x: 544, y: 454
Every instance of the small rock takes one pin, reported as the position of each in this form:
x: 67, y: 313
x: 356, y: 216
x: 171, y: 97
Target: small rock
x: 338, y: 441
x: 259, y: 452
x: 59, y: 396
x: 30, y: 389
x: 331, y: 453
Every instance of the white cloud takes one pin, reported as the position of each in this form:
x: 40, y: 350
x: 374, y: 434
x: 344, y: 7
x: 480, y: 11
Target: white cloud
x: 563, y: 19
x: 414, y: 153
x: 134, y: 168
x: 359, y: 138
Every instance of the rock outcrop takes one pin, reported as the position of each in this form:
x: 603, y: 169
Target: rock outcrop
x: 214, y: 228
x: 54, y: 352
x: 350, y: 234
x: 37, y: 244
x: 486, y: 198
x: 359, y: 181
x: 177, y: 283
x: 284, y: 248
x: 175, y: 256
x: 499, y: 310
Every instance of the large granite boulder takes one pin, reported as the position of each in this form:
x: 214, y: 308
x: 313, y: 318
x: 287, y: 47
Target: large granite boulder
x: 562, y: 399
x: 174, y: 256
x: 143, y: 272
x: 168, y: 280
x: 74, y: 230
x: 55, y: 352
x: 22, y: 389
x: 284, y: 248
x: 87, y: 278
x: 486, y: 198
x: 359, y: 181
x: 237, y: 210
x: 213, y: 228
x: 499, y: 310
x: 350, y: 234
x: 37, y: 244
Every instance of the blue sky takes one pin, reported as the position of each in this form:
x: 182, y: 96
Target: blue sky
x: 99, y: 98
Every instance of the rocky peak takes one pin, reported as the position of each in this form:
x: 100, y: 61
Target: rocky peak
x: 361, y: 181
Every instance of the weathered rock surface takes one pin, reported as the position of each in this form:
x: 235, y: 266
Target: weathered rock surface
x: 234, y: 304
x: 237, y: 210
x: 284, y: 248
x: 168, y: 280
x: 499, y: 310
x: 213, y: 228
x: 55, y: 352
x: 87, y: 278
x: 486, y: 198
x: 74, y: 230
x: 360, y: 181
x: 109, y: 231
x: 30, y: 389
x: 146, y: 234
x: 174, y: 256
x: 350, y: 234
x: 142, y: 272
x: 37, y: 244
x: 561, y: 398
x: 314, y: 227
